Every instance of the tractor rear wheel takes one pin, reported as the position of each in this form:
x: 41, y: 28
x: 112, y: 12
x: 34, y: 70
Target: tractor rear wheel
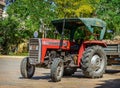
x: 57, y: 68
x: 27, y: 70
x: 94, y: 62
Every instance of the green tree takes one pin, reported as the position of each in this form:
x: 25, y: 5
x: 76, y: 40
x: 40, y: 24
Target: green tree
x: 29, y: 13
x: 9, y: 34
x: 75, y: 8
x: 23, y: 19
x: 109, y: 10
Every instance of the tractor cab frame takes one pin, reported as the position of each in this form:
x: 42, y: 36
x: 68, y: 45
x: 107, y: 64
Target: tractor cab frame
x: 73, y: 23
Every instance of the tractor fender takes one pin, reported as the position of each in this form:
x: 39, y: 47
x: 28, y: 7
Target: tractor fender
x: 95, y: 42
x: 88, y: 43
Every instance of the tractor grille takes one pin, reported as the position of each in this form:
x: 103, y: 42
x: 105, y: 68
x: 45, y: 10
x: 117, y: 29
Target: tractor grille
x: 34, y: 50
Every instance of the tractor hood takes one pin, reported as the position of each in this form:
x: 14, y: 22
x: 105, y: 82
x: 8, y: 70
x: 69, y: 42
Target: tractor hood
x: 73, y: 23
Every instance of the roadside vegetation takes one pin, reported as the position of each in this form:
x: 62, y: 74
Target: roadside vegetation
x: 27, y: 16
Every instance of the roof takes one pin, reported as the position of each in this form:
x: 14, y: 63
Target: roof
x: 75, y: 22
x: 71, y: 23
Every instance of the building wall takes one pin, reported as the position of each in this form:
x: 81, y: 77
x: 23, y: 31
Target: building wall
x: 2, y: 4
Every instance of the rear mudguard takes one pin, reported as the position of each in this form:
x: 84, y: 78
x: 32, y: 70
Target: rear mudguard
x: 88, y: 43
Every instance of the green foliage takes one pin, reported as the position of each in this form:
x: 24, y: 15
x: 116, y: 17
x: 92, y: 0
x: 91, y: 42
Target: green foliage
x: 25, y: 15
x: 24, y: 19
x: 75, y: 8
x: 109, y: 10
x: 29, y: 13
x: 9, y: 34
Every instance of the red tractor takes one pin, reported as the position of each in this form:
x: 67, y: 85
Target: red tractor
x: 79, y: 46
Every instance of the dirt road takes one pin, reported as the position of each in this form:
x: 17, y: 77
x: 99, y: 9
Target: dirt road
x: 10, y: 77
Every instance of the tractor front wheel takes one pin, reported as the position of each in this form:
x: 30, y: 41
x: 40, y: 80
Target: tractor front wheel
x: 57, y: 68
x: 27, y: 70
x: 94, y: 62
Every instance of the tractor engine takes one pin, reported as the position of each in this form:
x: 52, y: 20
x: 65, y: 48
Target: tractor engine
x: 70, y: 60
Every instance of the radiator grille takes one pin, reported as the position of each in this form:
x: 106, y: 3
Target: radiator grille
x: 34, y: 50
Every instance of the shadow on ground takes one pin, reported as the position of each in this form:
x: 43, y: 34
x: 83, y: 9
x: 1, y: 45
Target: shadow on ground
x: 112, y: 71
x: 115, y: 83
x: 46, y: 76
x: 78, y: 74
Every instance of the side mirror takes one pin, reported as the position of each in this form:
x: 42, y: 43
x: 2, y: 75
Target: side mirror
x: 110, y: 31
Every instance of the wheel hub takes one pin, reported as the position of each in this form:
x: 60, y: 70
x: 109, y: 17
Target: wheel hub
x: 96, y: 62
x: 29, y: 68
x: 59, y: 69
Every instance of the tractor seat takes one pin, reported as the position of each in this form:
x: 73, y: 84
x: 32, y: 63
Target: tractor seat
x: 77, y: 45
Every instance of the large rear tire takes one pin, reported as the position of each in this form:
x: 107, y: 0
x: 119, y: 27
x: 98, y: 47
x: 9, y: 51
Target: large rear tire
x: 94, y: 62
x: 27, y: 70
x: 57, y: 68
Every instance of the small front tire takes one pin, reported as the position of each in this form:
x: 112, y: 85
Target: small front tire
x: 27, y: 70
x: 57, y: 69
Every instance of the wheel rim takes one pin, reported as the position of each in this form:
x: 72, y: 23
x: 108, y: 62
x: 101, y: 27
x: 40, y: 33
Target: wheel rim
x: 29, y: 68
x: 60, y: 69
x: 97, y: 63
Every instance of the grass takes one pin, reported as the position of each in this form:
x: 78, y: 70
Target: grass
x: 18, y: 54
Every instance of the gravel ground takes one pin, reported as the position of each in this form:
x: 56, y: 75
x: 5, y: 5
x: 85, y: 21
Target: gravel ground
x: 10, y: 77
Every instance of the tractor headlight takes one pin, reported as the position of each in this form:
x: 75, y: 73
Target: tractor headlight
x: 33, y: 47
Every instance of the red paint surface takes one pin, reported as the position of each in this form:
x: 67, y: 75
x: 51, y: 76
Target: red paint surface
x: 54, y: 45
